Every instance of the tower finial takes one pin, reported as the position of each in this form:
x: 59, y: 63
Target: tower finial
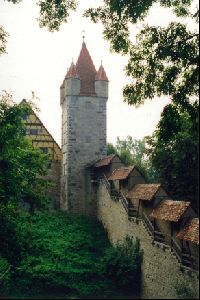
x: 83, y: 36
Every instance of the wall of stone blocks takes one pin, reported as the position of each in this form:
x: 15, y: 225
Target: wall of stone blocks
x: 84, y: 138
x: 160, y: 269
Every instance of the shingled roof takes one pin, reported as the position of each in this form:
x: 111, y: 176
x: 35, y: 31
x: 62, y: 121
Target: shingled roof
x: 143, y: 191
x: 101, y: 74
x: 104, y: 161
x: 72, y: 72
x: 170, y: 210
x: 121, y: 174
x: 190, y: 232
x: 87, y: 72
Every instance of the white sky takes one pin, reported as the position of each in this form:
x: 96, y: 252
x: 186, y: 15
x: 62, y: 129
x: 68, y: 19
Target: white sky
x: 38, y: 60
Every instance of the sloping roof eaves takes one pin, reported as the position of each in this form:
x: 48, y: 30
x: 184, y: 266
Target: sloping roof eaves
x: 190, y: 232
x: 104, y: 161
x: 121, y: 174
x: 143, y: 191
x: 42, y: 124
x: 170, y: 210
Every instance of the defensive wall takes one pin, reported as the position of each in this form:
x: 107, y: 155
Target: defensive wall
x: 165, y: 261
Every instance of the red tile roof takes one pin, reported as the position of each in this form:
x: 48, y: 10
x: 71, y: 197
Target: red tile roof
x: 190, y: 232
x: 86, y: 71
x: 121, y: 174
x: 101, y: 75
x: 104, y: 161
x: 72, y: 72
x: 143, y: 191
x: 170, y: 210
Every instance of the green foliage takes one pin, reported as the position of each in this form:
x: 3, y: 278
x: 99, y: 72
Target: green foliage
x: 134, y: 152
x: 111, y: 149
x: 68, y: 255
x: 3, y: 40
x: 10, y: 246
x: 184, y: 292
x: 4, y: 276
x: 173, y: 150
x: 123, y: 264
x: 164, y: 62
x: 21, y: 165
x: 53, y: 13
x: 60, y: 252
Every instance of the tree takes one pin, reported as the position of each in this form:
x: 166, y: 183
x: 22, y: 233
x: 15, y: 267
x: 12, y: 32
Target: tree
x: 122, y: 264
x: 3, y: 36
x: 163, y: 61
x: 21, y: 165
x: 134, y: 152
x: 173, y: 151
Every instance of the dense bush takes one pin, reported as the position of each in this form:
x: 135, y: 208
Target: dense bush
x: 4, y: 276
x: 60, y: 252
x: 184, y: 292
x: 122, y: 264
x: 10, y: 246
x: 68, y: 256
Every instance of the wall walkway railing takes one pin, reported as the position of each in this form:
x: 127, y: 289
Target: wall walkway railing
x: 176, y: 249
x: 148, y: 224
x: 106, y: 183
x: 183, y: 256
x: 124, y: 202
x: 185, y: 259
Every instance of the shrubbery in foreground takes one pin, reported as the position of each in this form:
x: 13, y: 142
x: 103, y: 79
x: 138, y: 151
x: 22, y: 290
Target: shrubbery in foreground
x: 70, y: 256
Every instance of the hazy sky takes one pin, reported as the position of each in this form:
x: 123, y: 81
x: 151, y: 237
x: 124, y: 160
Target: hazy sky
x: 38, y: 60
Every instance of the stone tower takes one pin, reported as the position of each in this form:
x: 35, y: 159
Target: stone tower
x: 84, y: 95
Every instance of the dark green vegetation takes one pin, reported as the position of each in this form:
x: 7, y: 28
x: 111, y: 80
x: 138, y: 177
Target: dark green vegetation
x: 184, y: 292
x: 20, y: 163
x: 173, y: 150
x: 51, y: 254
x: 134, y: 153
x: 64, y: 256
x: 163, y: 61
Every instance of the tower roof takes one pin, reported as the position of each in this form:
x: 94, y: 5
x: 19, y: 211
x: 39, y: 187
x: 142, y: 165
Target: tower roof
x: 101, y: 74
x: 72, y: 72
x: 86, y: 70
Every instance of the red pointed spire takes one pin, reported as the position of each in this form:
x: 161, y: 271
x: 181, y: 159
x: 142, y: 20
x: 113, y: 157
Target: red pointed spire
x: 101, y: 74
x: 72, y: 72
x: 87, y: 72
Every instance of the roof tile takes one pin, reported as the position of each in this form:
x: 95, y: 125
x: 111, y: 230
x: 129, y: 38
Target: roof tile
x: 87, y: 72
x: 170, y: 210
x: 101, y: 75
x: 104, y: 161
x: 190, y: 232
x: 72, y: 72
x: 121, y: 174
x: 143, y: 191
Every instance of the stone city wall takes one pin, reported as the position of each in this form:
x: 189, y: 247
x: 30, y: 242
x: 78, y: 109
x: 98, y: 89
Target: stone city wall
x: 161, y: 270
